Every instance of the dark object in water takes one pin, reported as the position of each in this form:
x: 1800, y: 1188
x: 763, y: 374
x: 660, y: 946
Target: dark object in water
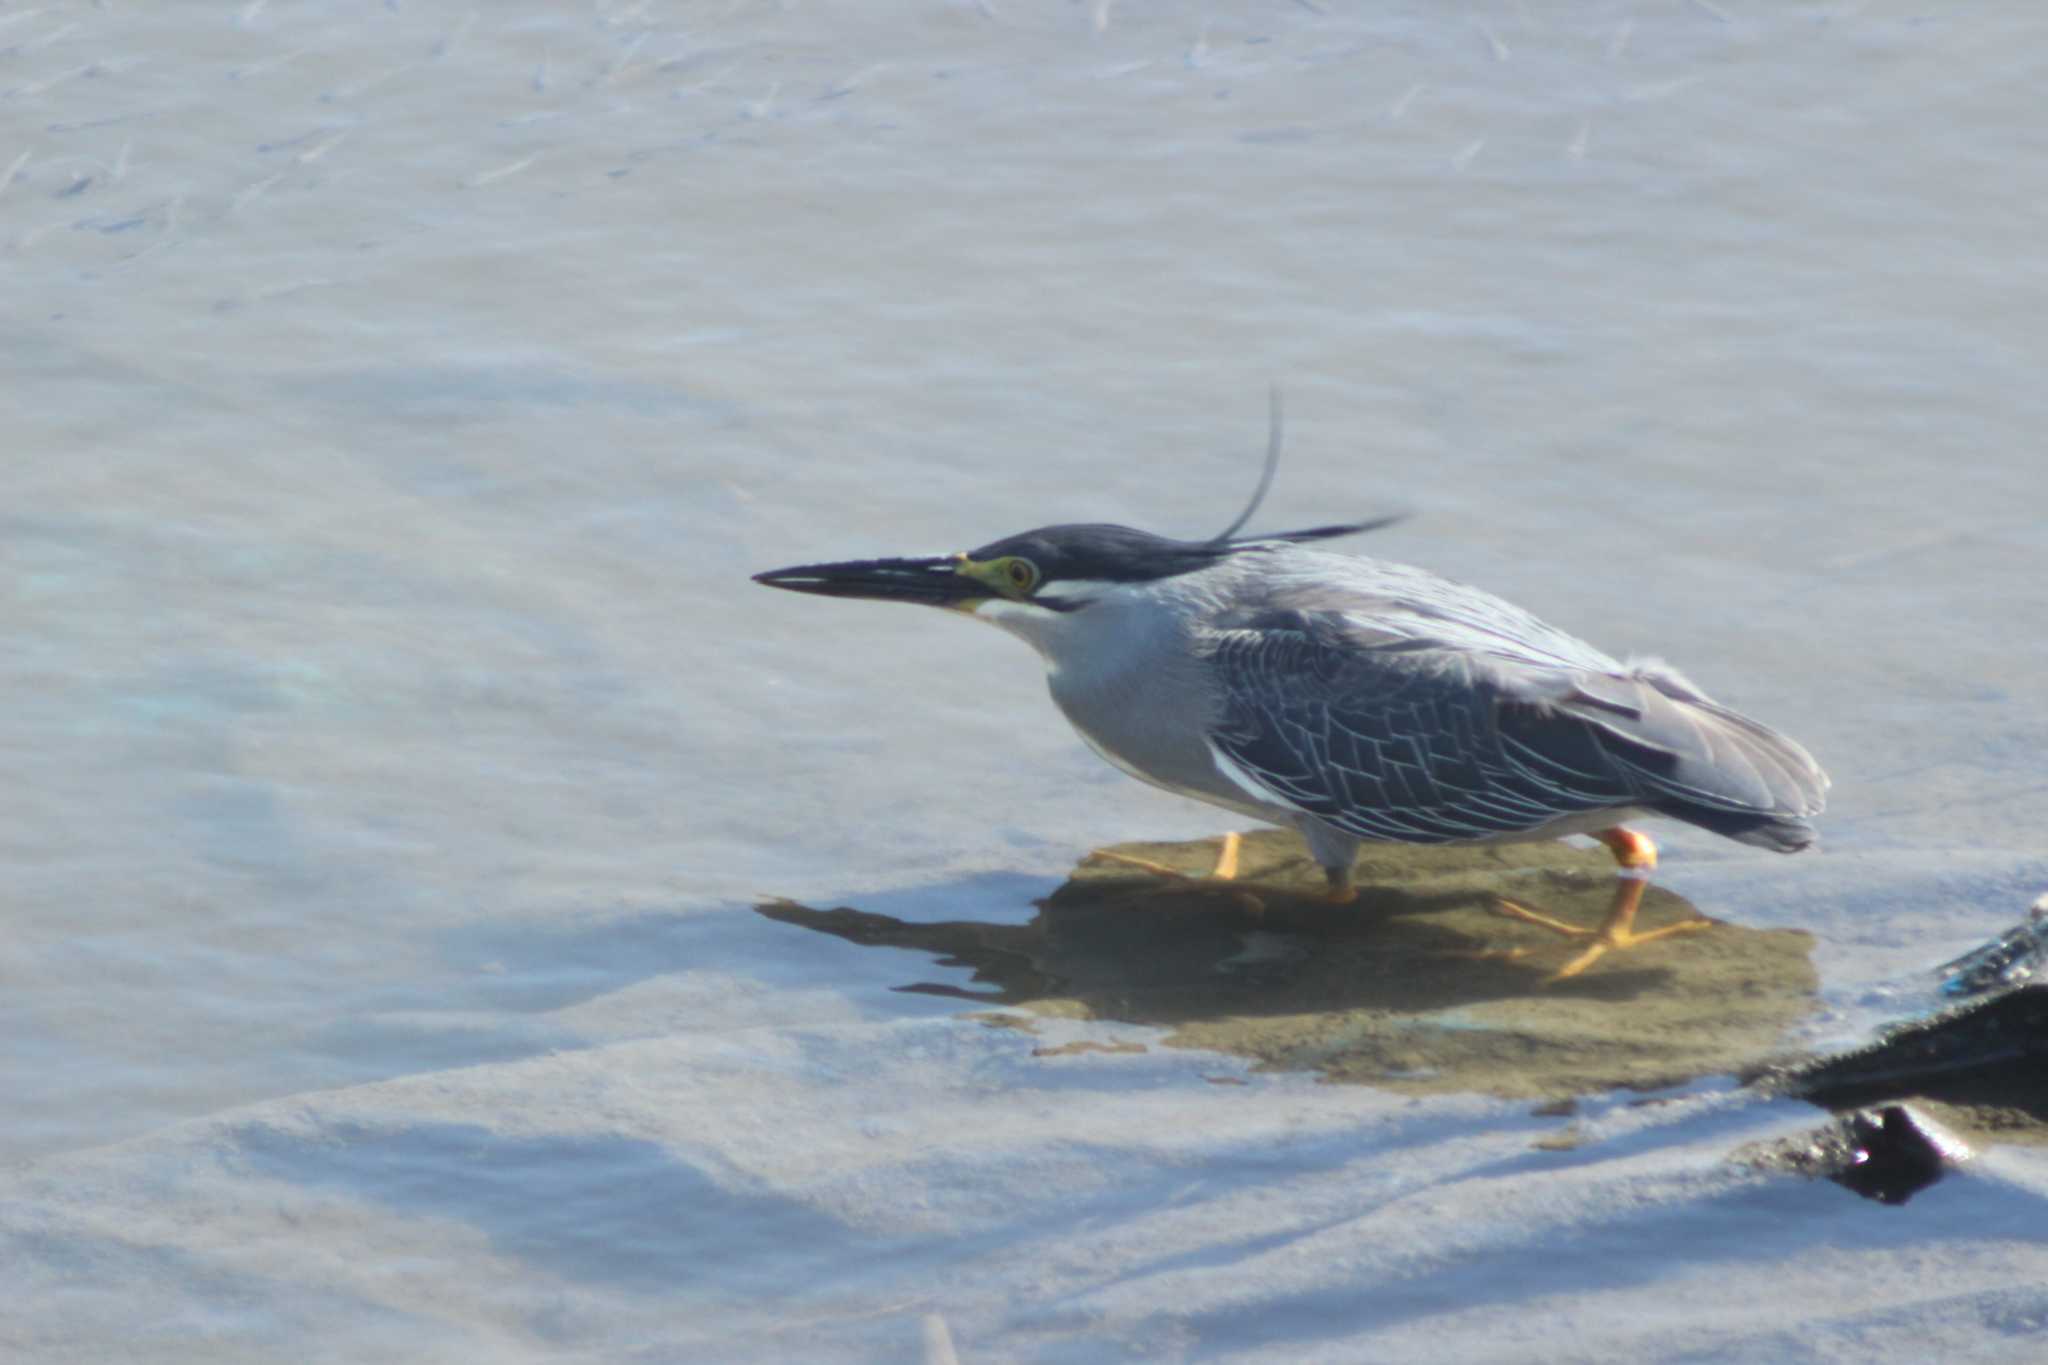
x: 1893, y: 1156
x: 1992, y: 1052
x: 1888, y: 1154
x: 2014, y: 958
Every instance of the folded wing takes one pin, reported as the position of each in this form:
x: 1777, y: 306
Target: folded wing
x: 1426, y: 739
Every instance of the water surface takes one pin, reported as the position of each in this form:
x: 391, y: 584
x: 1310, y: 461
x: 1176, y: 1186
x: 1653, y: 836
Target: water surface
x: 401, y: 397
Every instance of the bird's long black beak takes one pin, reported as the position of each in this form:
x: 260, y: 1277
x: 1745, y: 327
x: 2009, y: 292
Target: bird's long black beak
x: 934, y: 582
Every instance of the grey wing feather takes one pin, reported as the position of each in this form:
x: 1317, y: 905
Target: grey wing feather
x: 1704, y: 762
x: 1383, y: 736
x: 1423, y: 739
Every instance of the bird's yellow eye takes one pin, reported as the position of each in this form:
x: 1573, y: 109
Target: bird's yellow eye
x: 1022, y: 573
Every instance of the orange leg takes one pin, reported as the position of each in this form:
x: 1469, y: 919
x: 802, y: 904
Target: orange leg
x: 1224, y: 871
x: 1341, y: 891
x: 1637, y: 858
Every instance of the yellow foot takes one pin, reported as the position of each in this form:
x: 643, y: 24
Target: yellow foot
x: 1608, y: 936
x: 1637, y: 856
x: 1341, y: 891
x: 1224, y: 871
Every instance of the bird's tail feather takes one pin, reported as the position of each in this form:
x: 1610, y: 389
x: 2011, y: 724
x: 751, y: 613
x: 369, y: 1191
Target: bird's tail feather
x: 1698, y: 761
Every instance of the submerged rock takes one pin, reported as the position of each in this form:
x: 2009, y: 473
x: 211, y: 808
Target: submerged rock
x: 1888, y: 1154
x: 1983, y: 1066
x: 2014, y: 958
x: 1415, y: 986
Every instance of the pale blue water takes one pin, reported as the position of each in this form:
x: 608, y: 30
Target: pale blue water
x: 402, y: 396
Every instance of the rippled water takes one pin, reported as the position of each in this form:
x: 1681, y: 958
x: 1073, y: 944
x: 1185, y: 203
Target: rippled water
x: 402, y: 395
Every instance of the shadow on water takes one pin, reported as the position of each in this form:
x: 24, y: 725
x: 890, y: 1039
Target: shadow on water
x: 597, y: 1208
x: 498, y: 986
x: 541, y: 966
x: 1406, y: 987
x: 1726, y: 1234
x: 251, y: 1311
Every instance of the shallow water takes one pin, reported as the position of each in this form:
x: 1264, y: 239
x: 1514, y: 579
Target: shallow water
x: 402, y: 396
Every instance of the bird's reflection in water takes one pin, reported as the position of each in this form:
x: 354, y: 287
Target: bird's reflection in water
x: 1417, y: 984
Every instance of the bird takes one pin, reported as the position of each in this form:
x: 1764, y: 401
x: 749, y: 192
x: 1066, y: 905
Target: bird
x: 1358, y: 700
